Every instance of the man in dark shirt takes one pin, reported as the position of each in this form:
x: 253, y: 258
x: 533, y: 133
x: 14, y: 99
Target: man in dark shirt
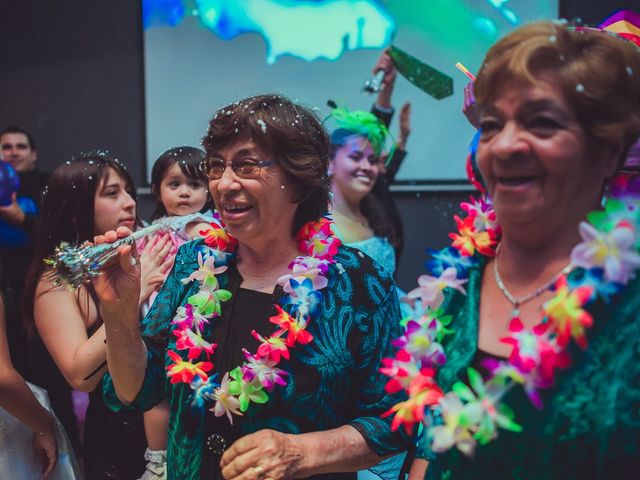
x: 16, y: 235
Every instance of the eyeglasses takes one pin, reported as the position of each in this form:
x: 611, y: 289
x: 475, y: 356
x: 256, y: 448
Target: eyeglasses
x: 246, y: 168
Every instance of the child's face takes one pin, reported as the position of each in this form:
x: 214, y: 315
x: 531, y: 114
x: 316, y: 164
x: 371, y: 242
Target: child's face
x: 181, y: 195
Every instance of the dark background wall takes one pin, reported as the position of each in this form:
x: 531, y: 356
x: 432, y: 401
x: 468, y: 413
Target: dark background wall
x: 72, y: 73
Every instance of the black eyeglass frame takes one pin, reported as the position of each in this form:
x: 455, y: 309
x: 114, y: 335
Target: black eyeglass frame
x: 236, y: 167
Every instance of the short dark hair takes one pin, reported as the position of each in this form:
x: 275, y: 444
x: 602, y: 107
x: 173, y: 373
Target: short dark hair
x: 17, y: 129
x: 189, y: 159
x: 292, y: 133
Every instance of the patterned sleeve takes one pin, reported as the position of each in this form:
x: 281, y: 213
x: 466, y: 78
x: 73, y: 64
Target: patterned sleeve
x: 155, y: 330
x: 372, y: 401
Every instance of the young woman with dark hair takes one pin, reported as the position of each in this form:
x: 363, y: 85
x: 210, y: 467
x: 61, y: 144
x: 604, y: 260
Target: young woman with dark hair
x: 86, y: 197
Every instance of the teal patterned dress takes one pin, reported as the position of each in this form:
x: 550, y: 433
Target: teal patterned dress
x: 358, y: 319
x: 590, y: 425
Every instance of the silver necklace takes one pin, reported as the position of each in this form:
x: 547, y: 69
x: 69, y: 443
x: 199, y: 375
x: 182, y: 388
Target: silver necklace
x: 518, y: 301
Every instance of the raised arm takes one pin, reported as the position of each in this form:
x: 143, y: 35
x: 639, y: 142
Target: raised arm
x: 119, y: 291
x: 385, y: 64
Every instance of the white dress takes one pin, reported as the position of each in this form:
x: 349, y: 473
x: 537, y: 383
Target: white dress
x: 18, y: 459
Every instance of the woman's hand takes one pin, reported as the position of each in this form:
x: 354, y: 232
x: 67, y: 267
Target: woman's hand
x: 118, y: 286
x: 156, y: 259
x: 405, y: 125
x: 266, y: 454
x: 12, y: 213
x: 385, y: 64
x: 469, y: 108
x: 44, y: 443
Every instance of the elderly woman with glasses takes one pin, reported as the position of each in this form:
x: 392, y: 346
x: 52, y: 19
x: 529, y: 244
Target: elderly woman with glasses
x: 267, y: 336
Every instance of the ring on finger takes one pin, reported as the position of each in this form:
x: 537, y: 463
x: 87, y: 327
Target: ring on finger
x: 260, y: 473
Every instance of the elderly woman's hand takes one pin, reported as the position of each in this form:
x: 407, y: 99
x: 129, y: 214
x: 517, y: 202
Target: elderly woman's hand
x: 266, y: 454
x: 118, y: 286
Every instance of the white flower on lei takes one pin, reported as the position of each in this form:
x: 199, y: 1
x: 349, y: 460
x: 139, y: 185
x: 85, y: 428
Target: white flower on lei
x: 225, y: 402
x: 303, y: 268
x: 612, y: 251
x: 456, y: 428
x: 206, y: 268
x: 430, y: 288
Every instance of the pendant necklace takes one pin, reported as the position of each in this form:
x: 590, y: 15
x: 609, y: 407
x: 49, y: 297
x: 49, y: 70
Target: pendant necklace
x: 518, y: 301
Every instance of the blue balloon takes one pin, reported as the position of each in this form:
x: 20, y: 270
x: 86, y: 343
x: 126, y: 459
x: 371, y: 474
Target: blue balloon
x: 9, y: 183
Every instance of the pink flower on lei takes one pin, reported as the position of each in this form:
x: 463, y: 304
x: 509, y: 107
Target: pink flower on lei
x: 612, y: 251
x: 483, y: 214
x: 264, y: 370
x: 316, y: 239
x: 190, y: 340
x: 400, y: 370
x: 534, y: 350
x: 430, y: 288
x: 272, y: 348
x: 189, y: 317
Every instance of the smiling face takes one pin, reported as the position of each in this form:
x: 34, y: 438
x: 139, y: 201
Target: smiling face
x: 253, y: 209
x: 180, y: 194
x: 536, y: 160
x: 114, y: 207
x: 354, y: 168
x: 18, y: 152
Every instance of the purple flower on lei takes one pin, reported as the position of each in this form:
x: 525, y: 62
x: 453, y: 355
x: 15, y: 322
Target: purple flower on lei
x: 189, y: 317
x: 305, y: 268
x: 612, y: 251
x: 419, y: 341
x: 264, y: 370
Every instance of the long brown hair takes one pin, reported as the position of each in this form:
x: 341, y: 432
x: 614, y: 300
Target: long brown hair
x: 68, y: 213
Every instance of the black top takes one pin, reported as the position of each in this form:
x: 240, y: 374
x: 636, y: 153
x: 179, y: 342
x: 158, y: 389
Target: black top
x: 250, y: 312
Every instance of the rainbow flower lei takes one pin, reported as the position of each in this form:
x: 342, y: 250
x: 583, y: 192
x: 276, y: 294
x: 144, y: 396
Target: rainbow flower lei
x: 259, y: 374
x: 471, y: 414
